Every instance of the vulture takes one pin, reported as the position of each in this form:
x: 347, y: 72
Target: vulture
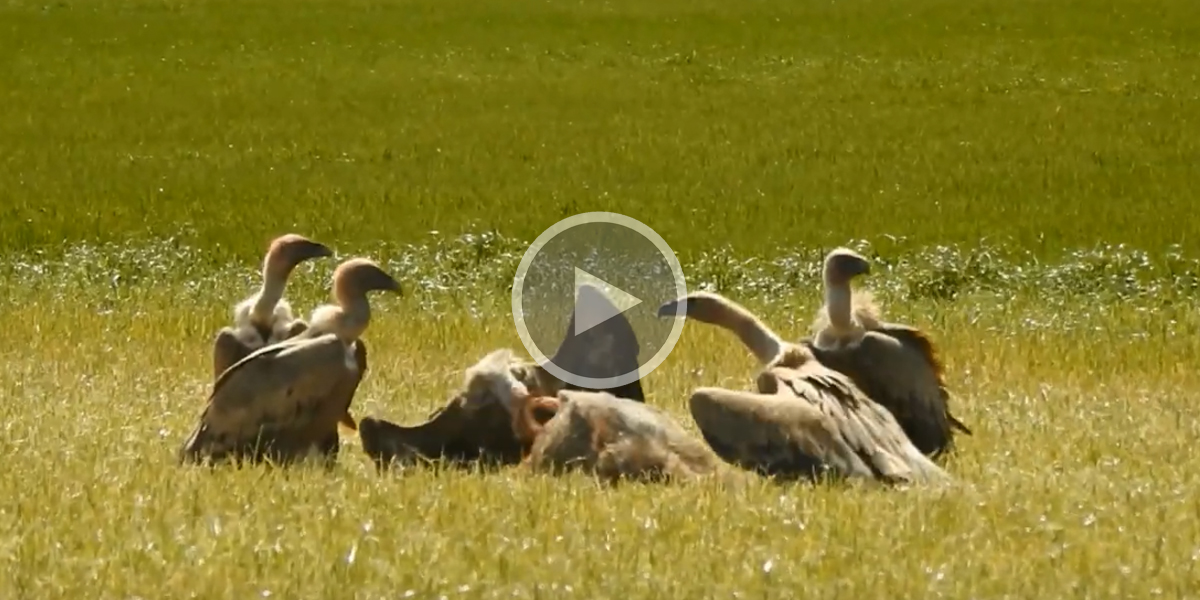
x: 283, y: 401
x: 612, y: 438
x: 266, y: 317
x: 895, y: 365
x: 475, y: 426
x: 805, y: 421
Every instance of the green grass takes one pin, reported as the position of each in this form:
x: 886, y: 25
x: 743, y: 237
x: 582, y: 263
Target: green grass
x: 1023, y: 173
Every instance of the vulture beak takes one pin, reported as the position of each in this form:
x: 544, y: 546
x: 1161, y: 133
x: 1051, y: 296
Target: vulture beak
x: 311, y: 250
x: 671, y: 309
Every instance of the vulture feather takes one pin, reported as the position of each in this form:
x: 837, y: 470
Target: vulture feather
x: 804, y: 421
x: 896, y: 365
x: 266, y: 317
x: 473, y: 427
x: 285, y: 400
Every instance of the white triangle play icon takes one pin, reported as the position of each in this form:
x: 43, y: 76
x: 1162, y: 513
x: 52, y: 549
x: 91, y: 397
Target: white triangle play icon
x: 592, y: 308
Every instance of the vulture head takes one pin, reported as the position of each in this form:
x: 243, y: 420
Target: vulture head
x: 288, y: 251
x: 355, y: 277
x: 844, y: 264
x: 283, y: 255
x: 844, y: 311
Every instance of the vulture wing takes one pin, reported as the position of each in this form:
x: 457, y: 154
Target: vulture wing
x: 898, y: 367
x: 916, y: 341
x: 807, y: 422
x: 232, y: 345
x: 273, y: 403
x: 462, y: 433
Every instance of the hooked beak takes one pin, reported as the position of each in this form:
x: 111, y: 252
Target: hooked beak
x: 395, y: 287
x: 312, y: 250
x: 673, y: 308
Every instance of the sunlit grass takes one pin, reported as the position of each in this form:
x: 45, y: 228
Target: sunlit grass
x: 758, y: 122
x: 1078, y: 476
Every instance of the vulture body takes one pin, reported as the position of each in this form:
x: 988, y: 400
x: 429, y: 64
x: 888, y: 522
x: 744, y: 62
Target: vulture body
x: 266, y: 317
x: 896, y: 365
x: 475, y: 425
x: 284, y: 401
x: 472, y: 428
x: 805, y: 421
x: 612, y: 438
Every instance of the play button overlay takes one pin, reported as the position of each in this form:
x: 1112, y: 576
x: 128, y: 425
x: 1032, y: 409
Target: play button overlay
x: 585, y: 298
x: 597, y: 302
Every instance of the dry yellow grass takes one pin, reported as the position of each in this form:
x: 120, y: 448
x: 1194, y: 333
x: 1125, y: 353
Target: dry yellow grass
x: 1079, y: 480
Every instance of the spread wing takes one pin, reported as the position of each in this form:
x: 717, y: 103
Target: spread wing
x: 805, y: 423
x: 274, y: 403
x: 463, y: 434
x: 898, y: 367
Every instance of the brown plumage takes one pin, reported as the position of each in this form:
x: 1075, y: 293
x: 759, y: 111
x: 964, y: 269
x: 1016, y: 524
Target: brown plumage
x: 896, y: 365
x: 473, y: 427
x: 610, y: 437
x: 266, y: 317
x: 285, y: 400
x: 805, y: 421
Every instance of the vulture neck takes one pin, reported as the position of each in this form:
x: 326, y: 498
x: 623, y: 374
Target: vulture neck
x: 352, y: 316
x: 754, y: 333
x: 838, y: 305
x: 262, y: 312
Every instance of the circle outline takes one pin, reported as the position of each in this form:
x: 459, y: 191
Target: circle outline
x: 599, y: 383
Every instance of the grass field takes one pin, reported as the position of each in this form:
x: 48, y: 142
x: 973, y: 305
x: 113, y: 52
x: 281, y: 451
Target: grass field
x: 1024, y: 173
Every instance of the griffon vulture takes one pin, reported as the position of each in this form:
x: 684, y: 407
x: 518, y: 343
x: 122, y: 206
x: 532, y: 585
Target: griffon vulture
x: 285, y: 400
x: 610, y: 437
x: 805, y: 421
x: 896, y: 365
x: 266, y: 317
